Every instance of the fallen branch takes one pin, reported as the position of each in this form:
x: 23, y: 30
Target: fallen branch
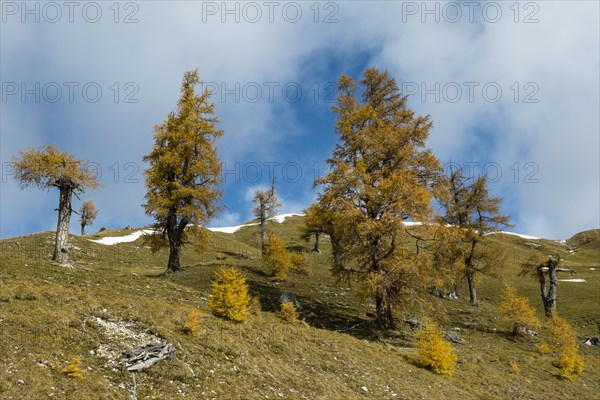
x: 144, y: 357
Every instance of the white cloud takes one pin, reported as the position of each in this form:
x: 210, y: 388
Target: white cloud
x: 559, y: 54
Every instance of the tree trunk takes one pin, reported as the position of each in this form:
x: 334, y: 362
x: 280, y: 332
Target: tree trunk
x: 174, y: 252
x: 262, y: 234
x: 385, y: 318
x: 61, y: 252
x: 456, y: 293
x: 472, y: 292
x: 550, y: 305
x: 316, y: 248
x: 82, y: 229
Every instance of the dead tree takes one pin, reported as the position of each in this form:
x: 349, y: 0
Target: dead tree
x: 546, y: 272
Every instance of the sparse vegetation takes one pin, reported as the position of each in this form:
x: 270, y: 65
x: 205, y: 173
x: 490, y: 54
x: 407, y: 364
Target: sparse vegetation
x: 51, y: 313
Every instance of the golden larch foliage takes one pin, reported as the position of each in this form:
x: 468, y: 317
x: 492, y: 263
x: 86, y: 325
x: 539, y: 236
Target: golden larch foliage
x: 288, y: 312
x: 517, y: 314
x: 435, y: 352
x: 72, y: 370
x: 380, y: 175
x: 229, y: 295
x: 564, y: 343
x: 193, y: 321
x: 277, y: 258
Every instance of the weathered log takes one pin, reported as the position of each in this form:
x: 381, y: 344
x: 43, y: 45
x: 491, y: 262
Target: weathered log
x: 144, y: 357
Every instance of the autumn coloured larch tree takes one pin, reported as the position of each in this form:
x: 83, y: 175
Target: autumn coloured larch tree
x: 87, y: 214
x: 470, y: 214
x: 184, y: 172
x: 380, y: 175
x: 48, y: 168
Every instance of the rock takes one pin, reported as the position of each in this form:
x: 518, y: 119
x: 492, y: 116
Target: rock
x: 454, y: 337
x: 592, y: 341
x: 365, y: 389
x: 291, y: 297
x: 413, y: 322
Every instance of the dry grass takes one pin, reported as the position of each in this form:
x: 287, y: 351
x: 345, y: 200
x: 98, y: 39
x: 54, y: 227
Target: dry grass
x: 48, y: 314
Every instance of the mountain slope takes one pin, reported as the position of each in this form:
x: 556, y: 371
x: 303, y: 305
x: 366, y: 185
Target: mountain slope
x: 114, y: 299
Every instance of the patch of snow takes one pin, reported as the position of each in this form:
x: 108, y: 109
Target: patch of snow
x: 109, y: 241
x: 592, y: 269
x: 562, y: 241
x: 572, y: 280
x: 411, y: 223
x: 230, y: 229
x: 515, y: 234
x: 280, y: 218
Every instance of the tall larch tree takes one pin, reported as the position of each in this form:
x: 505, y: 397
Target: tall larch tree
x: 380, y: 175
x: 184, y: 174
x: 266, y: 205
x: 471, y: 214
x: 87, y: 214
x: 47, y: 168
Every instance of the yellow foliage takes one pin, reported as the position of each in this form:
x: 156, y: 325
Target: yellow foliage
x: 301, y: 263
x: 254, y: 305
x: 72, y: 370
x: 517, y: 314
x: 288, y: 311
x: 564, y: 341
x: 229, y: 296
x: 436, y: 353
x: 48, y: 167
x: 543, y: 347
x: 184, y: 171
x: 193, y: 321
x: 277, y: 258
x: 515, y: 368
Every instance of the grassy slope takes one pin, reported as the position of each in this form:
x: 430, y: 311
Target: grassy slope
x: 48, y: 314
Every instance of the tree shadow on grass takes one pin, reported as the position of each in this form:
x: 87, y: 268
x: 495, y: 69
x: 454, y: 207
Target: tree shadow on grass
x: 315, y: 313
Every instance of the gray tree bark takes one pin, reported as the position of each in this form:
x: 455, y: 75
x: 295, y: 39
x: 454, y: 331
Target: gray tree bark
x: 472, y: 292
x: 61, y: 252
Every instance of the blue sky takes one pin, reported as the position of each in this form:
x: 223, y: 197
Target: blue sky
x: 512, y: 90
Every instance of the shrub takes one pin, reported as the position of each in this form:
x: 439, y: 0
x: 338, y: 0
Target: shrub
x: 192, y: 322
x: 564, y: 341
x: 277, y: 258
x: 229, y: 297
x: 288, y: 311
x: 301, y: 263
x: 515, y: 368
x: 543, y: 347
x: 255, y: 307
x: 435, y: 352
x: 517, y: 314
x: 72, y: 370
